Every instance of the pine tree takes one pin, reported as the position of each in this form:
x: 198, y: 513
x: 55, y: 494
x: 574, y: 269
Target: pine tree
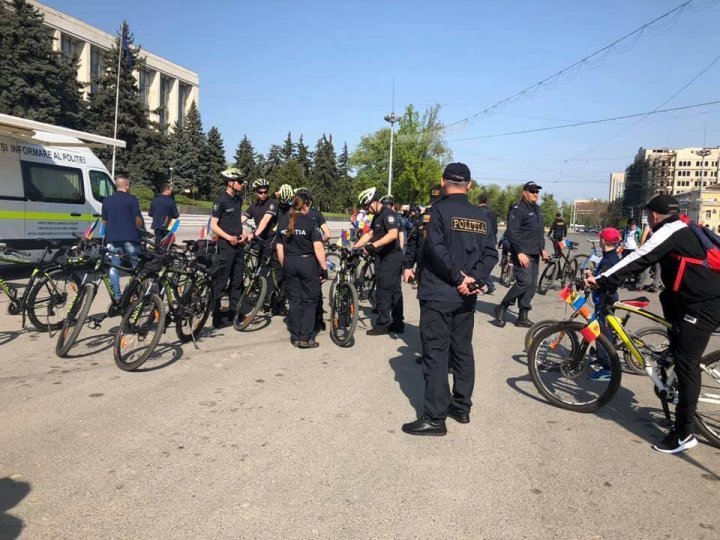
x: 245, y: 157
x: 215, y: 151
x: 152, y: 158
x: 344, y: 199
x: 304, y: 157
x: 35, y: 81
x: 290, y: 173
x: 288, y: 151
x: 133, y: 122
x: 324, y: 177
x: 272, y: 164
x: 191, y: 166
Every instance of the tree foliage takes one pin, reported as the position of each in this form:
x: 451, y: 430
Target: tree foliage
x: 245, y: 159
x: 419, y: 153
x: 36, y: 82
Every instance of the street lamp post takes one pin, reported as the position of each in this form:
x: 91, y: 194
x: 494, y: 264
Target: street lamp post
x: 171, y: 178
x: 703, y: 154
x: 392, y: 118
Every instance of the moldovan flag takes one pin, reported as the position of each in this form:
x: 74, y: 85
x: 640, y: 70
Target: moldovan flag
x: 91, y: 229
x: 102, y: 230
x: 174, y: 225
x: 591, y: 331
x: 168, y: 239
x: 203, y: 232
x: 567, y: 291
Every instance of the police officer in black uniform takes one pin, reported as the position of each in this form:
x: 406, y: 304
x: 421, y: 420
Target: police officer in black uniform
x: 302, y: 256
x: 263, y: 211
x: 458, y: 256
x: 526, y: 233
x: 413, y: 250
x: 558, y: 232
x: 226, y: 223
x: 383, y: 241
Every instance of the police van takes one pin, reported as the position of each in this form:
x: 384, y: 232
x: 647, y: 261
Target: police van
x: 51, y: 183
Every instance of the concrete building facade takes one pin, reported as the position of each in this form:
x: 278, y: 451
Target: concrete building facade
x: 703, y: 207
x: 167, y: 89
x: 668, y: 170
x: 617, y: 186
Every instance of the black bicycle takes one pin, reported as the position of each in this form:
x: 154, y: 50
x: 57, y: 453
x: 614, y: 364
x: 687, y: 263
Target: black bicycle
x: 44, y: 300
x: 344, y: 299
x: 560, y: 267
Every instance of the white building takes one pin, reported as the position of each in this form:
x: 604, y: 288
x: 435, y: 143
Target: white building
x: 163, y: 84
x: 617, y: 186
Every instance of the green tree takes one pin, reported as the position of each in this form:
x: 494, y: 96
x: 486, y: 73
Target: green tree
x: 272, y: 163
x: 549, y: 207
x: 150, y: 162
x: 291, y: 173
x: 215, y: 150
x: 304, y: 157
x: 419, y: 154
x: 245, y: 159
x: 324, y: 177
x: 133, y: 122
x: 344, y: 200
x: 35, y: 81
x: 288, y: 150
x: 191, y: 171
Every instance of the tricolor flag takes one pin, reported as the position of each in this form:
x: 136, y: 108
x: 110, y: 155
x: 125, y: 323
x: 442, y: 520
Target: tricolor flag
x: 591, y: 331
x: 567, y: 291
x: 102, y: 230
x: 167, y: 239
x: 174, y: 225
x: 203, y: 232
x: 586, y: 312
x: 91, y: 229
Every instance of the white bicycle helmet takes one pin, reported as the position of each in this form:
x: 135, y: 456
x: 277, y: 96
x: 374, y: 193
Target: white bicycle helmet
x: 367, y: 196
x: 286, y: 194
x: 233, y: 173
x: 387, y: 200
x: 260, y: 183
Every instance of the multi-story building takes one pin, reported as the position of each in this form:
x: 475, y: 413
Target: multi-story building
x: 617, y: 186
x: 167, y: 89
x: 668, y: 170
x: 703, y: 207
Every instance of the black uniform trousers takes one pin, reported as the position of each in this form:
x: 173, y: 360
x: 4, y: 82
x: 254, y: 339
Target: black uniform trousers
x: 231, y: 260
x: 388, y: 289
x: 302, y: 288
x: 688, y: 341
x: 446, y: 331
x: 525, y: 284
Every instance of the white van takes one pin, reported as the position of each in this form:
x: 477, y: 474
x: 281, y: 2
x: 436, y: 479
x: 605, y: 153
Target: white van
x: 51, y: 184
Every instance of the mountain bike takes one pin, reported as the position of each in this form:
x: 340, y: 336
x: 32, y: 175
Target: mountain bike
x: 563, y: 357
x: 252, y: 299
x: 365, y: 279
x: 559, y: 266
x: 195, y: 301
x: 344, y: 300
x: 507, y: 274
x: 44, y: 299
x: 648, y: 339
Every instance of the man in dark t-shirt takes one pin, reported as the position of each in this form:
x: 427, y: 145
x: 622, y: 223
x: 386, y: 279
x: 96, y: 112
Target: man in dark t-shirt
x: 163, y: 209
x: 123, y: 222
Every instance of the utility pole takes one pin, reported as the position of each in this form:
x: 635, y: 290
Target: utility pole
x: 392, y: 118
x: 703, y: 154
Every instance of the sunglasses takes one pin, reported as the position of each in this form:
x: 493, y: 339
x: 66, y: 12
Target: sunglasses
x: 264, y: 192
x: 533, y: 191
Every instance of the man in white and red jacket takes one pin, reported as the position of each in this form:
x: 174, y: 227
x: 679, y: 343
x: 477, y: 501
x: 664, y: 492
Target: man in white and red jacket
x: 690, y: 301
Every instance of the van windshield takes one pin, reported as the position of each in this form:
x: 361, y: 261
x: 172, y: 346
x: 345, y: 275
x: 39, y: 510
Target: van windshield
x: 101, y: 185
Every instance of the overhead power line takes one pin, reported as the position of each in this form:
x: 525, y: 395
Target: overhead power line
x: 605, y: 50
x: 587, y: 122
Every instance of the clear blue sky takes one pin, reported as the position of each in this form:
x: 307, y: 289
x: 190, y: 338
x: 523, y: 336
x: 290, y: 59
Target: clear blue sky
x: 269, y: 67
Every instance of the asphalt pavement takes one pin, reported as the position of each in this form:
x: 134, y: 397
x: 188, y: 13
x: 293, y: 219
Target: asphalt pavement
x: 248, y: 437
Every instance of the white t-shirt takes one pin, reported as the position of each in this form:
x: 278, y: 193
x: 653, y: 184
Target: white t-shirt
x: 630, y: 239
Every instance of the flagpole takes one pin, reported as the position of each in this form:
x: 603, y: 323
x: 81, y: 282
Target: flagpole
x: 117, y: 96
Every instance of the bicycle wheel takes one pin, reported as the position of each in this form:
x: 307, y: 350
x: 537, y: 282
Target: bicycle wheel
x: 569, y: 273
x: 583, y: 262
x: 139, y: 332
x: 77, y: 314
x: 372, y: 291
x: 193, y: 310
x: 506, y: 275
x: 547, y: 278
x: 343, y: 315
x: 250, y: 303
x: 535, y: 328
x: 707, y: 415
x: 48, y: 300
x: 648, y: 340
x: 566, y: 369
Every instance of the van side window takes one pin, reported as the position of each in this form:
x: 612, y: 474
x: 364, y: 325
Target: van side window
x: 52, y: 183
x: 101, y: 185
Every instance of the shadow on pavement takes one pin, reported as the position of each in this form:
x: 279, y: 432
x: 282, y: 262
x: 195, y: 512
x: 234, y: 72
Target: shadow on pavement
x: 94, y: 344
x: 408, y: 372
x: 11, y: 493
x: 163, y: 356
x: 8, y: 336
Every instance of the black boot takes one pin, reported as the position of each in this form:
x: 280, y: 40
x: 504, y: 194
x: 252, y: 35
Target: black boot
x: 523, y: 321
x: 500, y: 312
x: 425, y: 426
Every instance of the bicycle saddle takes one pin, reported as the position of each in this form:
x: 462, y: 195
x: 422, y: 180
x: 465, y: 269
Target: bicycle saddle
x: 639, y: 302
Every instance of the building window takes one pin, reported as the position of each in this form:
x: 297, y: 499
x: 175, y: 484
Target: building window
x: 67, y: 47
x: 144, y: 86
x: 183, y: 95
x: 705, y: 173
x: 165, y: 88
x: 95, y: 67
x: 708, y: 214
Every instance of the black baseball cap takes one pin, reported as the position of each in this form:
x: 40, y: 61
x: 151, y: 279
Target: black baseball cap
x: 664, y: 204
x: 456, y: 172
x: 531, y: 186
x: 435, y: 193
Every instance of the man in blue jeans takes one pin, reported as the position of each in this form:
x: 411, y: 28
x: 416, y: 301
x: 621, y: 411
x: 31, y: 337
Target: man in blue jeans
x: 123, y: 223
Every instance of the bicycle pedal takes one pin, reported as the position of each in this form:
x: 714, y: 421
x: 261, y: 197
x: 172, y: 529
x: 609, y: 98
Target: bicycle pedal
x: 95, y: 322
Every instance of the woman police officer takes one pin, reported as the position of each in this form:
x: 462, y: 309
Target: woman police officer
x: 302, y: 256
